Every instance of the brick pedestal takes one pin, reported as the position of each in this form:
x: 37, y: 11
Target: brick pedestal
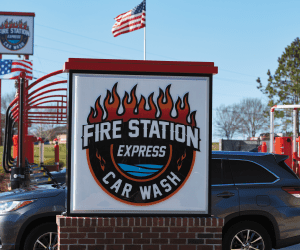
x: 139, y: 233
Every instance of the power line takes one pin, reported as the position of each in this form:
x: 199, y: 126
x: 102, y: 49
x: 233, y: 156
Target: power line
x: 80, y: 47
x: 247, y: 113
x: 215, y: 93
x: 48, y: 73
x: 60, y: 50
x: 232, y: 80
x: 239, y: 73
x: 46, y: 59
x: 98, y: 40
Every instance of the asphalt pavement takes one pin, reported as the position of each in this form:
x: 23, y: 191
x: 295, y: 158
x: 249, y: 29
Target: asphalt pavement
x: 295, y: 247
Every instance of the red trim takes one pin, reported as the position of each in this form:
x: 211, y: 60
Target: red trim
x: 45, y: 86
x: 45, y: 97
x: 273, y: 108
x: 46, y: 107
x: 55, y: 101
x: 18, y: 13
x: 47, y: 113
x: 44, y: 77
x: 140, y: 66
x: 39, y: 122
x: 295, y: 156
x: 45, y: 92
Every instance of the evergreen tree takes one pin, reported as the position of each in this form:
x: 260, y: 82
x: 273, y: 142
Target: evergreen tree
x: 284, y: 86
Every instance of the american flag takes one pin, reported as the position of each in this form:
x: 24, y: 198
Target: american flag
x: 11, y: 69
x: 131, y: 20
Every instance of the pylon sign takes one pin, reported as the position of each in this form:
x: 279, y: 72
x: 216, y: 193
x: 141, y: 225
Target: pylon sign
x: 16, y: 33
x: 139, y: 143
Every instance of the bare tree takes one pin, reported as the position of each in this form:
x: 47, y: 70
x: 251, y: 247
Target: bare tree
x: 45, y: 131
x: 228, y: 120
x: 6, y: 100
x: 247, y: 117
x: 253, y: 116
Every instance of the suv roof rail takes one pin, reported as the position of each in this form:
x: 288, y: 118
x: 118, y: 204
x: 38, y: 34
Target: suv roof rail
x: 239, y: 153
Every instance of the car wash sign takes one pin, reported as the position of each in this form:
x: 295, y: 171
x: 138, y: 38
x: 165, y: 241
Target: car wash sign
x: 16, y: 33
x: 139, y: 142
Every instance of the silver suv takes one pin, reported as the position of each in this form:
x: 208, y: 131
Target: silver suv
x: 259, y: 197
x: 28, y: 215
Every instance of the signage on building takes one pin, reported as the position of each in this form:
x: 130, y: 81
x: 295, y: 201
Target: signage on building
x: 139, y: 143
x: 16, y: 33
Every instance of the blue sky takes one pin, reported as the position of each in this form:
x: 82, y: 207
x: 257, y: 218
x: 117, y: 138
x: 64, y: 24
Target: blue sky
x: 243, y: 38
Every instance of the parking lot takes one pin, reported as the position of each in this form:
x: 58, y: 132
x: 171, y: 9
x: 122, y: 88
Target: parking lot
x: 295, y: 247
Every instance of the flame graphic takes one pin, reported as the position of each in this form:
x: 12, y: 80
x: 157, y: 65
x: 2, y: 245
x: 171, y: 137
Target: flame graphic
x: 180, y: 160
x: 135, y: 109
x: 101, y: 159
x: 18, y: 24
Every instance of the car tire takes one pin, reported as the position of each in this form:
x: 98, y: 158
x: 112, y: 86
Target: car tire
x: 41, y: 237
x: 245, y: 234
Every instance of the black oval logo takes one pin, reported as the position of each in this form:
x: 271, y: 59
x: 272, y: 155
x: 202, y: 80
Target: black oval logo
x: 14, y: 35
x: 141, y: 156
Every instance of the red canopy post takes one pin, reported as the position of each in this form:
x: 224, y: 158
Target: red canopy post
x: 22, y: 110
x: 0, y: 110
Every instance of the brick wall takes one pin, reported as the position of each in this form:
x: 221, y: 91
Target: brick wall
x: 139, y: 233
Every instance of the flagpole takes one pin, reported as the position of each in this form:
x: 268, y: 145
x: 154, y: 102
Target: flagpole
x: 145, y: 43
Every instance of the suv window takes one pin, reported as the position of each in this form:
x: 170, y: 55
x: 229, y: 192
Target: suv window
x: 287, y: 168
x: 249, y: 172
x: 220, y: 172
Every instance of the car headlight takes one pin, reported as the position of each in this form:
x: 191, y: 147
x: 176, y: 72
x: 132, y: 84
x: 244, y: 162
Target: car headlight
x: 13, y: 205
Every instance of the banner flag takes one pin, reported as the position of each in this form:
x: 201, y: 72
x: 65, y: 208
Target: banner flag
x: 11, y: 69
x: 131, y: 20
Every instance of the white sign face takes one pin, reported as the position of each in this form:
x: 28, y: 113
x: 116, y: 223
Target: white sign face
x: 139, y: 144
x: 16, y: 34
